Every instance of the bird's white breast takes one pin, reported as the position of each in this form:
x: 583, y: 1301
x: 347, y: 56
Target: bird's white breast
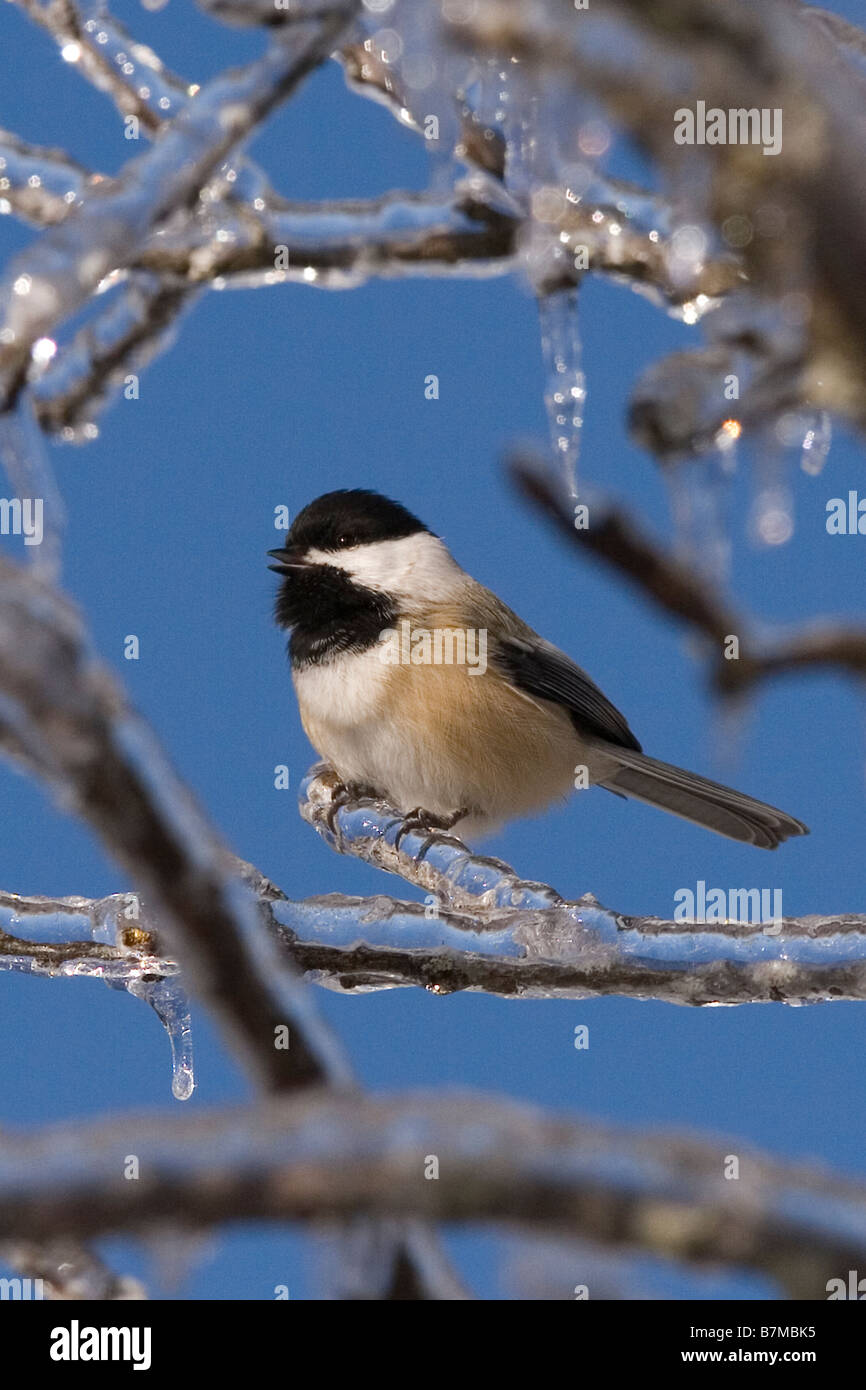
x: 345, y: 691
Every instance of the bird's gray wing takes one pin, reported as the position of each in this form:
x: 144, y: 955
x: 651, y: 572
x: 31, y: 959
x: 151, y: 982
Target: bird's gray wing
x: 540, y: 669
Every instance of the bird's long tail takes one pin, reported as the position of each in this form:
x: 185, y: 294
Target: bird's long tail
x: 701, y: 801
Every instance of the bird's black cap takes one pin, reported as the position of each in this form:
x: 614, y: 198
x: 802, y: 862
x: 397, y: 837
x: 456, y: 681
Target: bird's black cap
x: 327, y: 610
x: 350, y: 516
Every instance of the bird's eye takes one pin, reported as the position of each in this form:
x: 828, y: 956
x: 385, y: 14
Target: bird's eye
x: 342, y: 540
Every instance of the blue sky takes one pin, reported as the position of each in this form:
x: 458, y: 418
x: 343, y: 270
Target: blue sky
x: 272, y: 396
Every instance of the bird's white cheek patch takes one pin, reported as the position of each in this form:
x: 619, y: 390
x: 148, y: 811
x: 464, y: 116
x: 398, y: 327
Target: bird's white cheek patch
x: 419, y: 565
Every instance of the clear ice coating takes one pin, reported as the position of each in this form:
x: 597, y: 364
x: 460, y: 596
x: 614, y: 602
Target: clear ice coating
x: 565, y: 383
x: 28, y: 924
x: 479, y: 918
x: 38, y: 185
x: 117, y: 63
x: 793, y: 1222
x: 169, y: 1002
x: 136, y: 322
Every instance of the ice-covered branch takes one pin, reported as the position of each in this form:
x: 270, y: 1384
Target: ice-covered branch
x: 106, y: 939
x: 481, y: 928
x: 470, y: 232
x: 526, y: 204
x: 501, y: 935
x: 39, y: 185
x: 49, y: 281
x: 329, y: 1157
x: 472, y: 229
x: 484, y: 928
x: 341, y: 245
x: 577, y: 951
x: 110, y: 937
x: 103, y: 51
x: 138, y: 322
x: 729, y: 54
x: 242, y: 233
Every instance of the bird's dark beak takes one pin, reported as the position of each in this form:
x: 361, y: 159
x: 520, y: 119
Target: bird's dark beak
x: 287, y: 560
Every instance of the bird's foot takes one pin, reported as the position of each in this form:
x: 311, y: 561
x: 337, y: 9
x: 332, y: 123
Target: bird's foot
x: 436, y: 826
x: 343, y: 794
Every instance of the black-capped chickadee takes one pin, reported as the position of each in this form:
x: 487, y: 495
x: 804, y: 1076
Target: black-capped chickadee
x: 418, y: 684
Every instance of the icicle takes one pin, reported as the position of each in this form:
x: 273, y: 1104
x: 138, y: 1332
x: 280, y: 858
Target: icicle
x: 170, y: 1004
x: 164, y: 993
x: 107, y: 921
x: 565, y: 383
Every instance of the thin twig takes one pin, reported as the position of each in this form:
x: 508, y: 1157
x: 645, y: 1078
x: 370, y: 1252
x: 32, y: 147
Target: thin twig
x: 615, y: 538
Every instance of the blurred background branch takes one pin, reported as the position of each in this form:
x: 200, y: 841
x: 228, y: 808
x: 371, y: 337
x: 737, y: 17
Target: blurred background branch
x: 617, y: 540
x: 328, y: 1157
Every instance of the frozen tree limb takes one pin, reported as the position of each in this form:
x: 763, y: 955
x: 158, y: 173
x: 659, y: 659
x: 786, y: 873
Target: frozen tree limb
x: 731, y: 53
x: 235, y: 240
x: 482, y: 928
x: 108, y: 228
x: 39, y: 185
x: 109, y: 939
x: 564, y: 951
x: 139, y: 322
x: 103, y: 51
x: 396, y: 233
x: 329, y: 1157
x: 581, y: 950
x: 470, y: 231
x: 94, y: 938
x: 342, y: 245
x: 490, y: 930
x: 467, y: 232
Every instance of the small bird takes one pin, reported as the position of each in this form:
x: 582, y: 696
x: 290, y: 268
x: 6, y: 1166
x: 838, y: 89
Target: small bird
x: 417, y: 684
